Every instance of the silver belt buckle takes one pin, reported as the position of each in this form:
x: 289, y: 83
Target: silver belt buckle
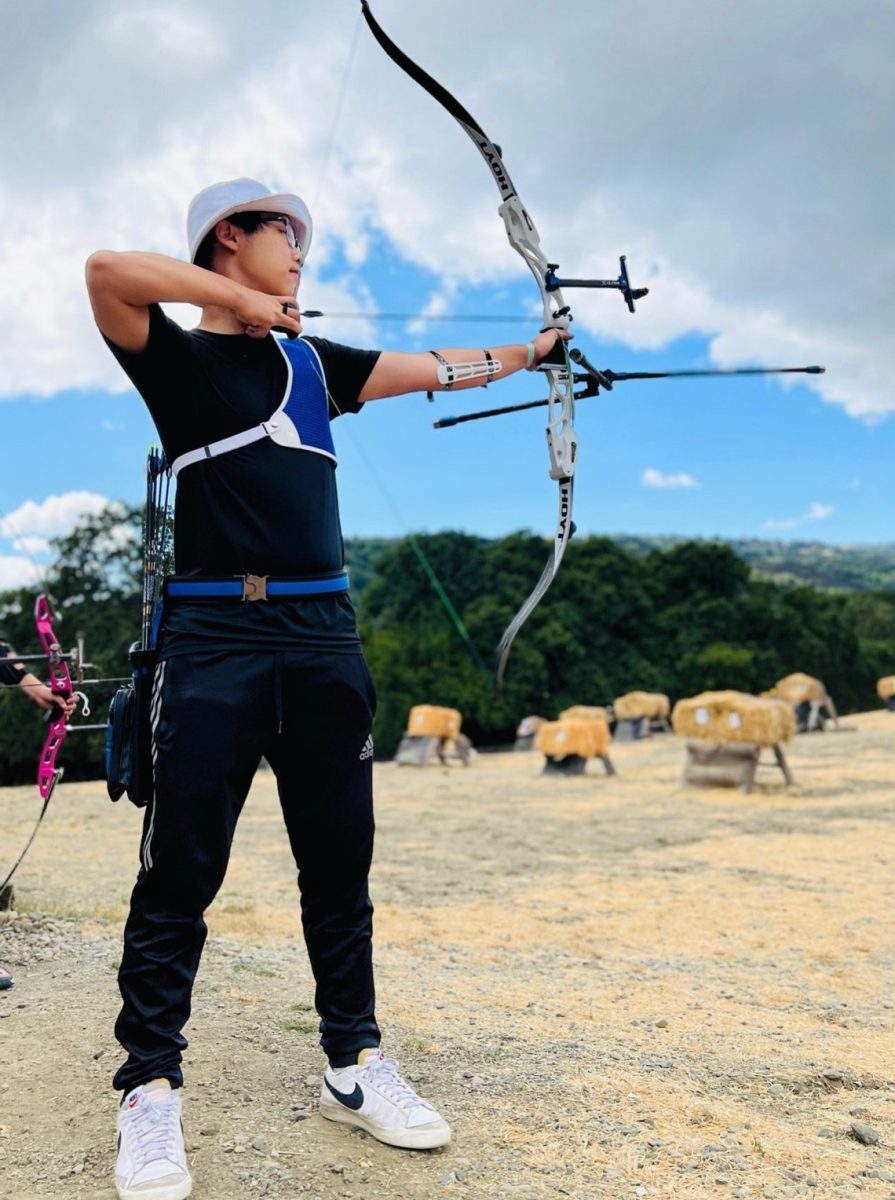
x: 254, y: 587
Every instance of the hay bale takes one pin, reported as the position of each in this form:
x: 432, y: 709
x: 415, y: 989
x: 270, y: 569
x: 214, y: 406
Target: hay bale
x: 526, y: 732
x: 428, y: 720
x: 529, y: 726
x: 786, y: 711
x: 885, y: 687
x: 584, y: 712
x: 641, y: 704
x: 588, y: 739
x: 734, y: 717
x: 799, y: 687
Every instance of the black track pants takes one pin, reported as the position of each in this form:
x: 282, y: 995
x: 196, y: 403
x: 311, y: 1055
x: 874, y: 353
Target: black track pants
x: 214, y: 716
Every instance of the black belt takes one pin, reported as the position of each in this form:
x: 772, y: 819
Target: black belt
x: 255, y: 587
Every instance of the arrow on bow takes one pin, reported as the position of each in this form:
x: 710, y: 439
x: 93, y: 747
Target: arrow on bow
x: 562, y: 441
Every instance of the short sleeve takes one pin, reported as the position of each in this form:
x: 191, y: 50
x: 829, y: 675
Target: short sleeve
x: 166, y: 357
x: 10, y: 674
x: 347, y: 369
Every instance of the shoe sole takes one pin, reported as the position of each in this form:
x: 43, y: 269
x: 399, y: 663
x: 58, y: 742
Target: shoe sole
x: 171, y: 1191
x: 419, y: 1139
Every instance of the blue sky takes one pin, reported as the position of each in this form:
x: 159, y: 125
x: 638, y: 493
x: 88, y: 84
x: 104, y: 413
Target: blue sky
x: 747, y: 177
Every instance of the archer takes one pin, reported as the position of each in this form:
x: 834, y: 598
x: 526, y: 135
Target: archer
x: 258, y: 652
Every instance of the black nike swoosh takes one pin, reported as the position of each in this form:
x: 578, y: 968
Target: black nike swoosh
x: 353, y: 1100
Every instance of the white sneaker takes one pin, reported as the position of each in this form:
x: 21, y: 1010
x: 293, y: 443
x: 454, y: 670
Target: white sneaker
x: 373, y: 1096
x: 151, y: 1159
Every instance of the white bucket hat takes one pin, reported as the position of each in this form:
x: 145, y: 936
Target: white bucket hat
x: 221, y: 200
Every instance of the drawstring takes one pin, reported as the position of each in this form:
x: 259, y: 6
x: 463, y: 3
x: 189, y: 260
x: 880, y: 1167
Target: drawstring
x: 278, y: 690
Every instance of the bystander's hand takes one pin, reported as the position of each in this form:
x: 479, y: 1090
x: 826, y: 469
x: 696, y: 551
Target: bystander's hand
x: 44, y: 697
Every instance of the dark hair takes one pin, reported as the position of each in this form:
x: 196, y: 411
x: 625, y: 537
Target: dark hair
x: 249, y: 221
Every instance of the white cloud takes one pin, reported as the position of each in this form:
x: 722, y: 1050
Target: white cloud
x: 50, y: 517
x: 31, y: 545
x: 654, y: 478
x: 721, y: 206
x: 17, y: 572
x: 815, y: 512
x: 819, y: 512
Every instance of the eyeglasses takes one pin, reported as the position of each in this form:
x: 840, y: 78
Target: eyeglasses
x: 283, y: 220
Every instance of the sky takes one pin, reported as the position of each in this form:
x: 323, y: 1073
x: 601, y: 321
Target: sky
x: 738, y: 154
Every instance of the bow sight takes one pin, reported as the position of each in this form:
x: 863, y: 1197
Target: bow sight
x: 553, y: 283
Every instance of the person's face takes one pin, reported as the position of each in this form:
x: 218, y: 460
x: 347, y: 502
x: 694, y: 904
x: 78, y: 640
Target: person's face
x: 270, y: 257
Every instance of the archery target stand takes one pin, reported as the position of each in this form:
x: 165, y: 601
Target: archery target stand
x: 730, y: 764
x: 572, y: 764
x: 631, y: 729
x: 812, y: 716
x: 420, y: 750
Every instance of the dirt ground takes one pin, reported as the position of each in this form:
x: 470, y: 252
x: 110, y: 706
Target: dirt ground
x: 611, y: 987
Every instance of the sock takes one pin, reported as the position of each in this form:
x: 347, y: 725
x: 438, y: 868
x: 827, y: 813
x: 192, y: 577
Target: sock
x: 366, y: 1055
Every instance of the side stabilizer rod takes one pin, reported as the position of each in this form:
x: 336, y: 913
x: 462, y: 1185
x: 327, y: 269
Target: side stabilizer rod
x: 595, y: 379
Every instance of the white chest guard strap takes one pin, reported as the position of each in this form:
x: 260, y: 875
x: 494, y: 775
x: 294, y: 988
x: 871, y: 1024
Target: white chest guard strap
x: 301, y: 420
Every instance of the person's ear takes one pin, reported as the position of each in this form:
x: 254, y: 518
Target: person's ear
x: 227, y: 235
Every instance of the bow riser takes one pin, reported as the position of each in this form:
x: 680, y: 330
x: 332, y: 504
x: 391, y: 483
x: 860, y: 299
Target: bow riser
x: 48, y: 774
x: 525, y: 240
x: 562, y: 447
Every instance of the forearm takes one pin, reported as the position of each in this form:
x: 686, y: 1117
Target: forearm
x: 139, y: 278
x: 512, y: 358
x: 396, y: 374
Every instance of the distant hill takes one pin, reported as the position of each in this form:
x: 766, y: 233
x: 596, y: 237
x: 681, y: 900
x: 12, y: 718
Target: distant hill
x: 834, y: 568
x: 360, y: 559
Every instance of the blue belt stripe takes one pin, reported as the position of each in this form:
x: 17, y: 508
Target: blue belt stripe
x: 296, y: 587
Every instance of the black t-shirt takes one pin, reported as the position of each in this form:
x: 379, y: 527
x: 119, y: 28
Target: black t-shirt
x: 262, y: 509
x: 10, y: 674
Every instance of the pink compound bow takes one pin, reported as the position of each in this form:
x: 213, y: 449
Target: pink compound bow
x: 48, y: 774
